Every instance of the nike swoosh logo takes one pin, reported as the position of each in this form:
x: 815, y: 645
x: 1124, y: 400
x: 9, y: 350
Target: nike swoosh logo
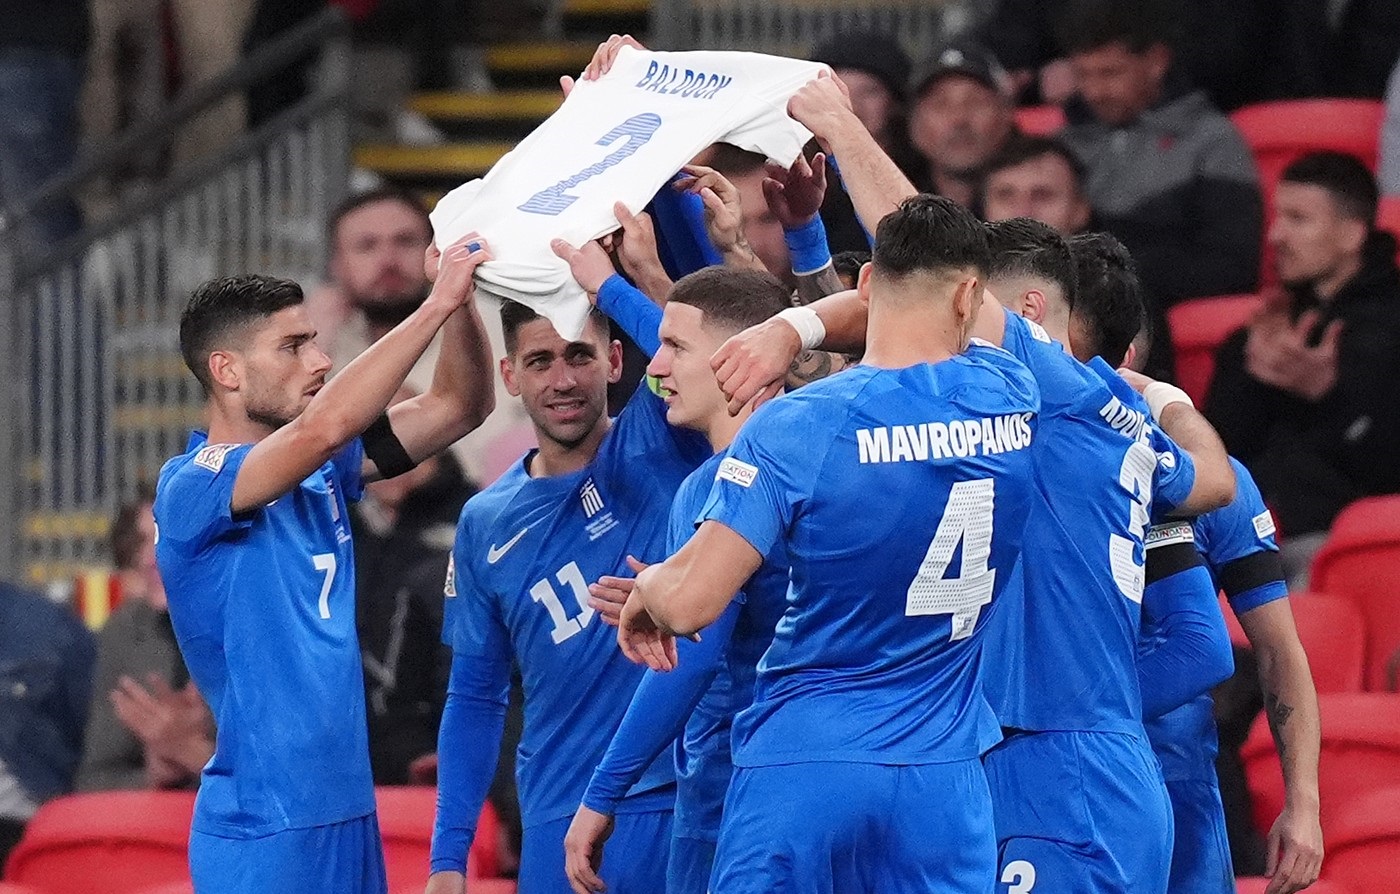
x: 494, y: 553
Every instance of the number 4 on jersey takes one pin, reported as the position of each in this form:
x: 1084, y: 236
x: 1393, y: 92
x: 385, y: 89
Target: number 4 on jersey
x: 966, y: 519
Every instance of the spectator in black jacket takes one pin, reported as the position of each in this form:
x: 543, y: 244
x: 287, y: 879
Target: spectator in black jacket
x: 1167, y: 173
x: 1308, y: 395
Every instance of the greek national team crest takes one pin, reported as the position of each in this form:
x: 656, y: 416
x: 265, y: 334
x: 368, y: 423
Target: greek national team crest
x: 600, y: 518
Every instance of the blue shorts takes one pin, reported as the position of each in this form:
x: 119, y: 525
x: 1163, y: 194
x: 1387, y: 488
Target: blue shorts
x: 634, y: 859
x: 1079, y: 813
x: 847, y: 828
x: 692, y: 861
x: 344, y: 856
x: 1201, y: 856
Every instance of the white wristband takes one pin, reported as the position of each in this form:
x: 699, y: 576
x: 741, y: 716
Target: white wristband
x: 1160, y: 395
x: 809, y: 326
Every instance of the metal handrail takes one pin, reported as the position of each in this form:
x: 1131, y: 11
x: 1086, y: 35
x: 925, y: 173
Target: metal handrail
x: 273, y: 56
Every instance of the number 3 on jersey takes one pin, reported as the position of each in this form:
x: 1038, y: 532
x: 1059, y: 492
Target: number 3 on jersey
x: 543, y: 592
x: 966, y: 519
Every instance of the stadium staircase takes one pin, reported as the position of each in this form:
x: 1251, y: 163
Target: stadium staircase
x: 483, y: 126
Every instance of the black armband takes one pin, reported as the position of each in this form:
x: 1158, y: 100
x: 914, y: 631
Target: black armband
x: 1253, y: 570
x: 1171, y: 549
x: 384, y: 449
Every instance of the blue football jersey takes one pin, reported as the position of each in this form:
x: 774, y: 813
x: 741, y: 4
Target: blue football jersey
x: 263, y: 605
x: 526, y: 551
x: 703, y: 762
x: 902, y: 496
x: 1062, y: 654
x: 1238, y: 544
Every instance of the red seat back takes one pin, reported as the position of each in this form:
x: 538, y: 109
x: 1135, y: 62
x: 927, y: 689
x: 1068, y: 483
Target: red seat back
x: 1040, y: 121
x: 1361, y: 562
x: 114, y: 842
x: 1362, y: 838
x: 1278, y: 133
x: 1198, y: 328
x: 1334, y: 636
x: 1259, y: 884
x: 406, y: 827
x: 1360, y: 752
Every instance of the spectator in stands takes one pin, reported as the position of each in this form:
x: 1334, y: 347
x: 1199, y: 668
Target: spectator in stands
x: 403, y: 530
x: 1308, y: 395
x: 1390, y: 138
x: 1039, y: 178
x: 42, y: 45
x: 138, y: 737
x: 46, y: 659
x: 876, y: 70
x: 1167, y: 173
x: 962, y: 115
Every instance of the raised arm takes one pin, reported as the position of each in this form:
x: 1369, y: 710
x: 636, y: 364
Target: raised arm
x: 348, y: 403
x: 1214, y: 484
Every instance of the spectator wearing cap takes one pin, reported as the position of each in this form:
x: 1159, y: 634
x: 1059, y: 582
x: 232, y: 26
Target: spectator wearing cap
x: 876, y: 69
x: 1167, y: 173
x: 961, y: 117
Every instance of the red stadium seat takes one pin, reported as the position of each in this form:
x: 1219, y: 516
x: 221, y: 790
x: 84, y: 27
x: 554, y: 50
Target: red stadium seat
x: 406, y: 826
x: 7, y: 888
x: 1361, y: 562
x: 114, y: 842
x: 1334, y: 636
x: 1388, y: 218
x: 1198, y: 328
x: 1360, y: 752
x: 1040, y: 121
x: 1278, y: 133
x: 1362, y: 838
x: 1258, y: 885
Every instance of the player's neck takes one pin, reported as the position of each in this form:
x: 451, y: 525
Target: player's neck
x: 721, y: 429
x: 897, y: 337
x: 553, y: 459
x: 231, y: 425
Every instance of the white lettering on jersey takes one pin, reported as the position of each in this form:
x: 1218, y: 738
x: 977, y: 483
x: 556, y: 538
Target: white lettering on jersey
x: 212, y: 456
x: 1264, y: 525
x: 959, y: 438
x: 1130, y: 423
x: 737, y: 471
x: 1038, y: 332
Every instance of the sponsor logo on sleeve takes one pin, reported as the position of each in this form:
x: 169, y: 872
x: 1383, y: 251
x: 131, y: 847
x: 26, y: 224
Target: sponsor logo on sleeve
x: 737, y: 471
x: 1037, y: 331
x: 1167, y: 534
x: 212, y: 456
x: 1264, y: 525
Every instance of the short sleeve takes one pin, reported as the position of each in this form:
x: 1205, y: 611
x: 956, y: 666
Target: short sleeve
x: 194, y: 501
x: 760, y: 486
x: 472, y: 623
x: 1238, y: 542
x: 349, y: 470
x: 1175, y: 473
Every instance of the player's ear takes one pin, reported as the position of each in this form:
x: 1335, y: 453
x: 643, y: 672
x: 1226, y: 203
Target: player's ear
x: 508, y: 375
x: 225, y: 369
x: 1033, y: 303
x: 614, y: 361
x: 863, y: 282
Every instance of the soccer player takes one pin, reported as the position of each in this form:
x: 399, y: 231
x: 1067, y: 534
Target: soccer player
x: 1064, y: 660
x: 715, y: 676
x: 254, y: 547
x: 899, y: 489
x: 572, y: 511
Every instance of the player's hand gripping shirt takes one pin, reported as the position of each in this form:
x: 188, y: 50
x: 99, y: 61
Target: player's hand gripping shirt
x: 619, y: 138
x: 526, y: 551
x: 263, y: 605
x: 1062, y: 654
x: 901, y: 496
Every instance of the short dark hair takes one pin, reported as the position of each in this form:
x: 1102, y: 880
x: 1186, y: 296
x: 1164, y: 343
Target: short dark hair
x: 221, y: 307
x: 731, y: 161
x: 514, y: 315
x: 125, y: 533
x: 848, y: 263
x: 733, y: 299
x: 1087, y: 25
x: 1025, y: 247
x: 1109, y: 305
x: 930, y: 234
x: 1022, y: 148
x: 359, y: 200
x: 1345, y: 178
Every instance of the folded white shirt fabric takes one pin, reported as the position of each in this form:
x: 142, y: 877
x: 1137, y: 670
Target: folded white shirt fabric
x: 619, y: 138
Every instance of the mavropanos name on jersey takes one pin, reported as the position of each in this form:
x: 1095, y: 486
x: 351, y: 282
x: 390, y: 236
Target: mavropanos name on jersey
x: 955, y: 439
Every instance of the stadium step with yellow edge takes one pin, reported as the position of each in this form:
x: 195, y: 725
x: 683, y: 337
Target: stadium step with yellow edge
x: 599, y: 18
x: 503, y: 115
x: 431, y: 168
x: 537, y: 64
